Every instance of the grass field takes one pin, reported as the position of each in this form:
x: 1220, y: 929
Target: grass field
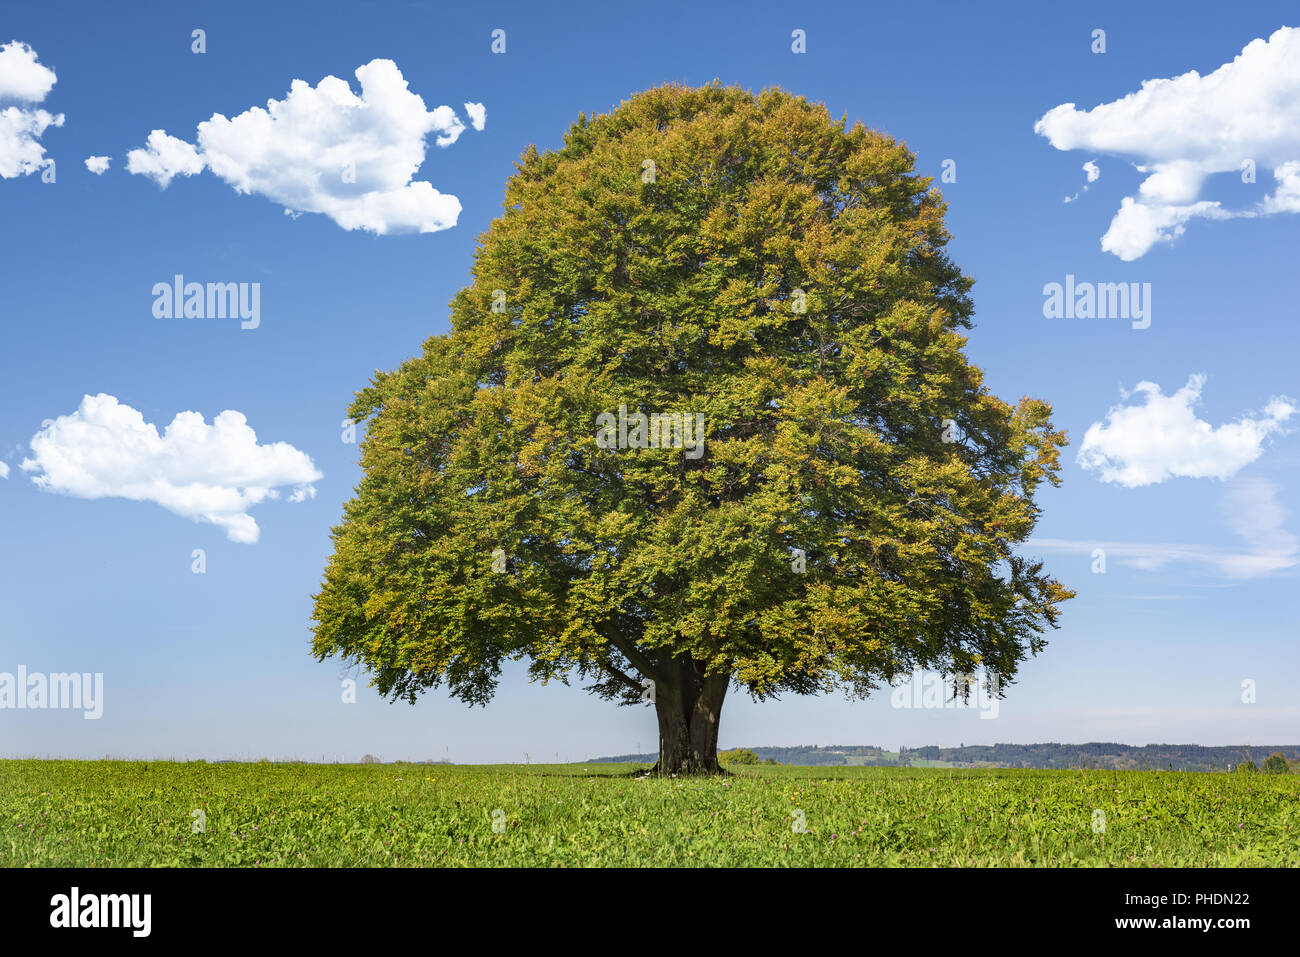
x: 102, y: 813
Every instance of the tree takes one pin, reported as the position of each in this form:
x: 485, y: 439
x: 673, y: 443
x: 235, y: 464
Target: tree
x: 1277, y: 764
x: 1247, y: 766
x: 846, y: 511
x: 738, y: 756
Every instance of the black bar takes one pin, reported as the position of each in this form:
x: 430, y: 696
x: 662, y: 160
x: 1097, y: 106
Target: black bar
x: 932, y: 907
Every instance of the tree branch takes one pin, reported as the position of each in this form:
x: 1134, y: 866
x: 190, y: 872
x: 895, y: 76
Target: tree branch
x: 626, y: 679
x: 634, y: 655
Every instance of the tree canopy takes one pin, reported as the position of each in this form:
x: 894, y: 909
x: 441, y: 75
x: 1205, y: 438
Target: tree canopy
x: 851, y: 508
x: 1277, y: 763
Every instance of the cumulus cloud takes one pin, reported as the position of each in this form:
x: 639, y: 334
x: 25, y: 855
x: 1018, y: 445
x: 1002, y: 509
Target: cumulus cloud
x: 209, y: 473
x: 22, y: 76
x: 23, y: 80
x: 1181, y: 130
x: 1162, y: 438
x: 97, y: 164
x: 4, y: 470
x: 1253, y: 513
x: 326, y: 149
x: 1140, y: 225
x: 164, y: 158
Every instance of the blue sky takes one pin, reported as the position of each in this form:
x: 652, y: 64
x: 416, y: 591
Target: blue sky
x: 1156, y: 649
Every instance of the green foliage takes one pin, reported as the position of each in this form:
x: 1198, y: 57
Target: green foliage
x: 122, y: 814
x: 738, y: 756
x: 1247, y: 766
x: 782, y: 274
x: 1277, y: 764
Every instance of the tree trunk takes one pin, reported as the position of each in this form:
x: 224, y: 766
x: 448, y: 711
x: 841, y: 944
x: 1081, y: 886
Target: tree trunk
x: 689, y: 714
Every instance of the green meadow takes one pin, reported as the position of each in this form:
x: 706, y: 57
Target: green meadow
x: 174, y: 814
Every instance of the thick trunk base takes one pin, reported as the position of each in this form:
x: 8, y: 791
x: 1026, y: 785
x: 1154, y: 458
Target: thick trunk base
x: 688, y: 770
x: 688, y: 727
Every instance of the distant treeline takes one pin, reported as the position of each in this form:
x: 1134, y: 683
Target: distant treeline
x: 1123, y: 757
x: 1120, y: 757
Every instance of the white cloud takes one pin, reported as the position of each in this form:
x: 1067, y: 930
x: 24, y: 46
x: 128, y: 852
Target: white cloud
x: 97, y: 164
x: 22, y: 77
x: 165, y: 157
x: 4, y: 470
x: 325, y: 149
x: 1184, y: 129
x: 24, y: 80
x: 302, y: 493
x: 1093, y: 172
x: 212, y: 473
x: 1286, y: 197
x: 1162, y: 438
x: 1138, y: 226
x: 477, y: 113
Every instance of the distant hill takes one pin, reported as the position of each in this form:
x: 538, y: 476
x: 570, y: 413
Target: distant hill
x: 1118, y: 757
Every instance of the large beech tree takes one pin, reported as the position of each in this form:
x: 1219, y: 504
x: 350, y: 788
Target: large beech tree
x: 852, y: 513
